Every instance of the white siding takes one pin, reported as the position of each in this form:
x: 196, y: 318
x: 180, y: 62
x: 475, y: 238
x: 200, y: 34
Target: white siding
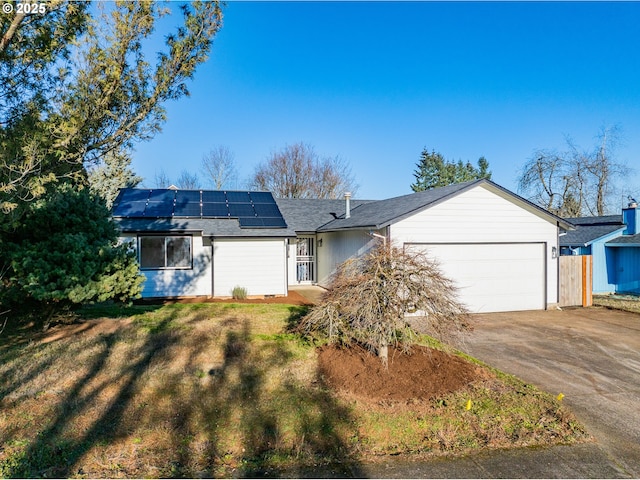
x: 291, y: 262
x: 195, y: 281
x: 259, y: 265
x: 338, y: 247
x: 482, y: 216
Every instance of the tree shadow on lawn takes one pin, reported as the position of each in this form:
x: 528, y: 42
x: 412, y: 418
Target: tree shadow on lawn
x: 195, y: 412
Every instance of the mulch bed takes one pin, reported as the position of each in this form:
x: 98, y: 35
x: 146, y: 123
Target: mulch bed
x: 425, y: 373
x: 293, y: 298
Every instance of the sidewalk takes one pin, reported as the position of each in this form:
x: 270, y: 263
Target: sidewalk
x: 565, y: 461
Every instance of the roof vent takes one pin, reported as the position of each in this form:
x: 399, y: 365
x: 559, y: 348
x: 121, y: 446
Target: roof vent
x: 347, y: 211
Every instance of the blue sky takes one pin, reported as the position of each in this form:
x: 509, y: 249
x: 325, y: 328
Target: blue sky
x: 376, y: 82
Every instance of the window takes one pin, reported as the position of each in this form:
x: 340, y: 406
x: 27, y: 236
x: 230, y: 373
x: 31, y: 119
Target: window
x: 165, y: 252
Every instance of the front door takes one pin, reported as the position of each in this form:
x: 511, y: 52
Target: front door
x: 305, y: 260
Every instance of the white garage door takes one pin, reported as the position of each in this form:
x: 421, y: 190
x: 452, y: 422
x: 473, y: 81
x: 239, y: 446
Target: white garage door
x: 494, y: 277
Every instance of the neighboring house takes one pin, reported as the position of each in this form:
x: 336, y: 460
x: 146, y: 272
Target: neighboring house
x: 614, y: 243
x: 500, y: 249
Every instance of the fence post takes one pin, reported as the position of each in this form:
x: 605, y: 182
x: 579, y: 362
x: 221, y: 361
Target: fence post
x: 587, y: 280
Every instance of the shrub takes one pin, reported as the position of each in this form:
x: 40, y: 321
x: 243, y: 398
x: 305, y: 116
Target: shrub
x: 370, y: 297
x: 239, y: 293
x: 66, y: 252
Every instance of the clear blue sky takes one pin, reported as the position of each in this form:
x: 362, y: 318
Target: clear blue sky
x: 375, y: 82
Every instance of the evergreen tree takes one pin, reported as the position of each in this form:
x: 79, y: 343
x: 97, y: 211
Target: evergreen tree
x: 434, y: 171
x: 76, y: 86
x: 77, y: 92
x: 66, y: 252
x: 114, y: 173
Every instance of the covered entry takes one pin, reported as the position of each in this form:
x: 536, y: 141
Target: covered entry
x: 494, y: 277
x: 306, y: 259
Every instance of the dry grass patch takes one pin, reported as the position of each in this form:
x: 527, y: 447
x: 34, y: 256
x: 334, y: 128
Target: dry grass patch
x: 628, y: 303
x: 218, y: 390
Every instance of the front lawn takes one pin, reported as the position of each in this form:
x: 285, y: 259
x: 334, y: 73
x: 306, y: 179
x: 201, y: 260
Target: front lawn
x: 191, y: 390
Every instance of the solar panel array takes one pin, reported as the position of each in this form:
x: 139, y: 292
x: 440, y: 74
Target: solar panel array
x: 252, y: 209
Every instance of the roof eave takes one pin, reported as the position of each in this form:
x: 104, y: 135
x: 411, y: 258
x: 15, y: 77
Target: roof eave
x: 532, y: 207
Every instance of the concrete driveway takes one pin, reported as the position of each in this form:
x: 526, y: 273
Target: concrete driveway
x: 591, y: 355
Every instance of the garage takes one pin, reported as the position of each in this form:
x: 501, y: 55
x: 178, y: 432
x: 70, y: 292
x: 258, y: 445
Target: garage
x: 498, y: 248
x: 494, y: 277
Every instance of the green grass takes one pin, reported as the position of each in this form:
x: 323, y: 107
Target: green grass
x: 188, y: 390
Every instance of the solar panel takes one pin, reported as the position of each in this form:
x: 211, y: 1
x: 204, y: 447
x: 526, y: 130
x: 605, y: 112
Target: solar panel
x: 187, y: 210
x: 264, y: 222
x: 159, y: 209
x: 274, y: 222
x: 251, y: 222
x: 238, y: 197
x: 209, y: 196
x: 267, y: 210
x: 162, y: 195
x: 131, y: 209
x: 215, y: 209
x: 188, y: 196
x: 261, y: 197
x: 241, y: 210
x: 253, y: 209
x: 134, y: 195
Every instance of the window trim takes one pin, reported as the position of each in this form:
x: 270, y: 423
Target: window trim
x: 165, y: 237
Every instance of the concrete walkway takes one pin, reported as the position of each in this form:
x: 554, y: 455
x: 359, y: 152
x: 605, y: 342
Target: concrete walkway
x: 310, y: 292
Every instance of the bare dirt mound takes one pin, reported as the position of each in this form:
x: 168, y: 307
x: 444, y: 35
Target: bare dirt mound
x: 424, y: 373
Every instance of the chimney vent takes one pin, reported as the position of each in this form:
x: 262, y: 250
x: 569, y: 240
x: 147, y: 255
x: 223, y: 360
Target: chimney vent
x: 347, y: 212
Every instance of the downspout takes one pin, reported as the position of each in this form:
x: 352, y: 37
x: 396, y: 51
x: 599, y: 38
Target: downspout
x: 212, y: 274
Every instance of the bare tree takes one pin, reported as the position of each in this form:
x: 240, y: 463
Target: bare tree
x: 369, y: 298
x: 577, y: 181
x: 219, y: 169
x: 161, y: 180
x: 298, y: 172
x: 188, y: 181
x: 543, y: 179
x: 603, y: 168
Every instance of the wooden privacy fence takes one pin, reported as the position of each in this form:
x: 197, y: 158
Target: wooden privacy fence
x: 576, y: 277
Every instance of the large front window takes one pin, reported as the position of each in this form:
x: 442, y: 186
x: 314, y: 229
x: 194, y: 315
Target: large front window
x: 164, y: 252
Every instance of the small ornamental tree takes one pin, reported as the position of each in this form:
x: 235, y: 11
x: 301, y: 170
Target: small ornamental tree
x: 66, y: 252
x: 370, y: 298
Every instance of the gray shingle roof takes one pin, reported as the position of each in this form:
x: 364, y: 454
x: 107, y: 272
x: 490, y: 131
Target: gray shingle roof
x: 381, y: 213
x: 625, y: 241
x: 590, y: 229
x: 306, y: 215
x: 321, y: 215
x: 208, y: 226
x: 584, y: 235
x: 602, y: 220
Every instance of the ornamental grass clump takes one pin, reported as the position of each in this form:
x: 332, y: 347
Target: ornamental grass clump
x: 387, y: 297
x: 239, y: 293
